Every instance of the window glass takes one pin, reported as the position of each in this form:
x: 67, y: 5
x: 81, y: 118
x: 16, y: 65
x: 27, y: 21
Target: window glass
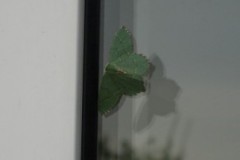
x: 191, y: 108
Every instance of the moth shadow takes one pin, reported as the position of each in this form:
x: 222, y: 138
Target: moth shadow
x: 161, y: 96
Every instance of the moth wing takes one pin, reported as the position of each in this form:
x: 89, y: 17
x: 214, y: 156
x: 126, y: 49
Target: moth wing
x: 109, y: 94
x: 122, y: 44
x: 130, y: 64
x: 130, y: 84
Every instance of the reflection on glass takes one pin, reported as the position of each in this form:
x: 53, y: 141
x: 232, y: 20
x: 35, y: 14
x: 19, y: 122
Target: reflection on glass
x: 128, y: 152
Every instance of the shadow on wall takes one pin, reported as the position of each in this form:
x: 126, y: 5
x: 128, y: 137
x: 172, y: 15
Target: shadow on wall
x: 160, y: 98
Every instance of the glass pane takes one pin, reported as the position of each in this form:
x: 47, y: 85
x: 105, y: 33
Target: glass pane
x: 191, y: 108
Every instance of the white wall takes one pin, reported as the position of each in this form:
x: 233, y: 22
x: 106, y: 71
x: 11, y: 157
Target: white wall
x: 38, y: 66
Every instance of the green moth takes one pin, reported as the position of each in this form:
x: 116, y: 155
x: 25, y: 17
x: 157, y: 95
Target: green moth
x: 123, y: 74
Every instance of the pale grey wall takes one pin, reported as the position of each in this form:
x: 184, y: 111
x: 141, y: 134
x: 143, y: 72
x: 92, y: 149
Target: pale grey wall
x: 197, y: 42
x: 38, y: 69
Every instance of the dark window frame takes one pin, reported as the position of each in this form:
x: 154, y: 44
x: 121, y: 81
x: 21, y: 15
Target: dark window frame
x: 89, y: 129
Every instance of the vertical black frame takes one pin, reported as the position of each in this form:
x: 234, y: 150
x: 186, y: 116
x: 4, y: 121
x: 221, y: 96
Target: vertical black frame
x: 90, y: 80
